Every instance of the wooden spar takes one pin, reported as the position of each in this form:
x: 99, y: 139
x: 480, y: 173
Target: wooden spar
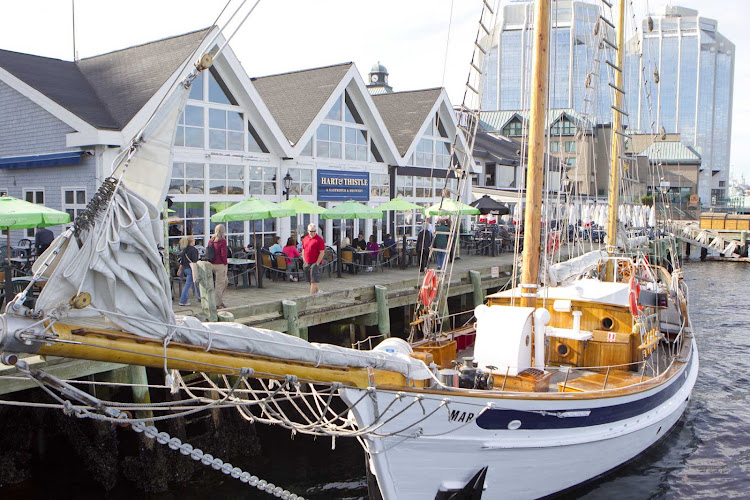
x: 535, y: 170
x: 125, y: 348
x: 614, y: 170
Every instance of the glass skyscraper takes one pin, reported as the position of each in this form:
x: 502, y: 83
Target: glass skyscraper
x: 579, y: 75
x: 694, y: 64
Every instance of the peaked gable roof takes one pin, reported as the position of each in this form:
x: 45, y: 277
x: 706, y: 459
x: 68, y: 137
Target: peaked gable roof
x: 126, y: 79
x: 62, y: 82
x: 295, y: 99
x: 404, y: 113
x: 106, y: 90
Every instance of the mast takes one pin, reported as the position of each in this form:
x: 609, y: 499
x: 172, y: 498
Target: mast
x: 535, y: 170
x: 616, y: 151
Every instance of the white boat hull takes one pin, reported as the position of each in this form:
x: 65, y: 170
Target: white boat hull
x: 554, y: 448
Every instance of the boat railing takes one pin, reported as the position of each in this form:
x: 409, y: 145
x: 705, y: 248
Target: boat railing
x: 643, y: 365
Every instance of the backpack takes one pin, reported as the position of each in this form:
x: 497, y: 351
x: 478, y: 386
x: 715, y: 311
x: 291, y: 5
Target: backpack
x: 211, y: 253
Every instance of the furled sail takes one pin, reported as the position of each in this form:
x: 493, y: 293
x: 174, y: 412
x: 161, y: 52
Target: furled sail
x: 114, y: 256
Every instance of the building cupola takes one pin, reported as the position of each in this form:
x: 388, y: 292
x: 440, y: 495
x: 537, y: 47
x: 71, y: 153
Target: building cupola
x: 377, y: 81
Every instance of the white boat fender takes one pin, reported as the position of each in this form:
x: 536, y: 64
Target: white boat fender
x: 541, y: 319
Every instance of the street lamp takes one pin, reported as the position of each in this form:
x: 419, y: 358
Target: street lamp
x: 287, y: 184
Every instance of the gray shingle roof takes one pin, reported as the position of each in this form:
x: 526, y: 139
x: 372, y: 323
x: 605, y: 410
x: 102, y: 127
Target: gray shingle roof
x: 126, y: 79
x: 294, y: 99
x: 62, y: 82
x: 107, y: 90
x: 404, y: 113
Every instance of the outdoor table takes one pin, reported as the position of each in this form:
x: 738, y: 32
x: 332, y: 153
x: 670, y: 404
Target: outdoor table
x: 366, y: 256
x: 244, y: 266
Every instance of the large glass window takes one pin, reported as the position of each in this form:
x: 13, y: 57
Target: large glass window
x: 191, y: 213
x: 226, y: 179
x: 187, y: 178
x: 442, y: 154
x: 570, y: 146
x: 190, y: 128
x: 404, y: 186
x: 424, y: 156
x: 262, y: 180
x: 217, y: 89
x: 225, y: 130
x: 356, y: 144
x: 329, y: 141
x: 380, y: 185
x: 302, y: 182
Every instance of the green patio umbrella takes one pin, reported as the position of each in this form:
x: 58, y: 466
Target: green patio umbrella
x: 20, y: 214
x: 398, y: 205
x: 301, y: 206
x: 221, y: 205
x: 252, y: 209
x: 352, y: 210
x: 451, y: 207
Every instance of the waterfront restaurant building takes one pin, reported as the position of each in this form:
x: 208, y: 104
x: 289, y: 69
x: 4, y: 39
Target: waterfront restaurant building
x: 319, y: 131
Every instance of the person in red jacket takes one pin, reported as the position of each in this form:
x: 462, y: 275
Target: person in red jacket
x: 313, y: 249
x: 219, y: 242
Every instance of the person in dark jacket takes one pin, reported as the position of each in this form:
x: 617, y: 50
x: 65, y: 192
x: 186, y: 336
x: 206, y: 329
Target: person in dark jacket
x: 424, y: 241
x: 189, y: 255
x: 43, y: 240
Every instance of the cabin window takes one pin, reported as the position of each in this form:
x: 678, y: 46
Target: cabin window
x: 607, y: 323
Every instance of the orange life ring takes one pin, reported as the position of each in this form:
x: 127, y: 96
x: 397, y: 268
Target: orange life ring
x: 429, y: 288
x: 634, y: 293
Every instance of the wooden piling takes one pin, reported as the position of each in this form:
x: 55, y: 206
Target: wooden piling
x: 138, y: 378
x: 384, y: 316
x: 206, y: 284
x: 291, y: 314
x: 476, y: 282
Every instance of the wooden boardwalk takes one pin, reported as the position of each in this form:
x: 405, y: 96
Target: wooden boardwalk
x: 346, y: 297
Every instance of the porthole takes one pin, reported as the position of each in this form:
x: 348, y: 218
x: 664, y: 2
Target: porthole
x: 607, y: 323
x: 562, y: 350
x: 514, y: 424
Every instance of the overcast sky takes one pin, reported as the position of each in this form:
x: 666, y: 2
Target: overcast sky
x: 408, y: 36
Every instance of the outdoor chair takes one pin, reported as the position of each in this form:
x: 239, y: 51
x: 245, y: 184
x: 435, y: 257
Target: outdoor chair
x: 347, y: 260
x: 388, y: 256
x: 268, y: 263
x: 329, y: 261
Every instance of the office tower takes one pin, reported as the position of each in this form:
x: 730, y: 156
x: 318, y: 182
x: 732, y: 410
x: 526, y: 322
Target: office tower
x: 686, y: 87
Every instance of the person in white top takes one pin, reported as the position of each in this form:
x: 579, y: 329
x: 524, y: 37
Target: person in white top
x: 431, y: 227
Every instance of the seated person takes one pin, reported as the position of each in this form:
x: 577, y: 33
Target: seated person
x: 389, y: 242
x: 291, y: 253
x: 373, y: 248
x: 359, y: 242
x: 276, y: 247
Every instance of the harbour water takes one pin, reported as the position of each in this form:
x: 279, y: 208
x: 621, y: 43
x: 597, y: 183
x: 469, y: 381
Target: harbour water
x: 707, y: 455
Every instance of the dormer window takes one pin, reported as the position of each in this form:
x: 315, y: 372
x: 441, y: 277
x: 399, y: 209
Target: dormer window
x: 563, y: 126
x: 514, y: 128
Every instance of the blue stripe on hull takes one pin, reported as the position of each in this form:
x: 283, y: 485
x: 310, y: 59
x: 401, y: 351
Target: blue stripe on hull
x: 534, y: 419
